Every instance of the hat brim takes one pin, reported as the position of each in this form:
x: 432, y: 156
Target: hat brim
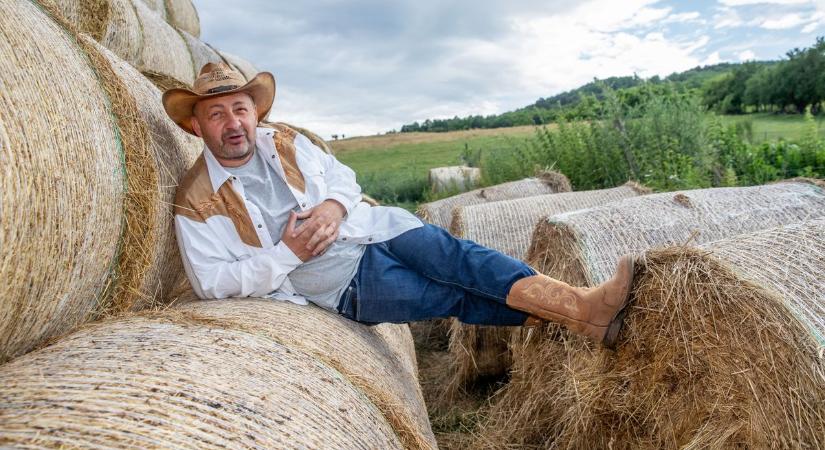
x: 180, y: 103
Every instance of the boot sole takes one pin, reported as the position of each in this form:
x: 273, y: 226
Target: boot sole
x: 615, y: 325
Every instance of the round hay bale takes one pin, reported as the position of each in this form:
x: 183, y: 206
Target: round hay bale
x: 245, y: 67
x: 380, y: 361
x: 723, y: 349
x: 158, y: 154
x: 62, y: 183
x: 173, y: 381
x: 163, y: 51
x: 581, y: 247
x: 183, y: 15
x: 482, y: 351
x: 201, y: 53
x: 158, y: 6
x: 440, y: 212
x: 113, y: 23
x: 453, y: 178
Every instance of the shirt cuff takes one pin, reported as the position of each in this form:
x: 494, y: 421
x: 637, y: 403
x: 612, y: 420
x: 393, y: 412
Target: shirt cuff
x: 285, y: 256
x: 343, y: 200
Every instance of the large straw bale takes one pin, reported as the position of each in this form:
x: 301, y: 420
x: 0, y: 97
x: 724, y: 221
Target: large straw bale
x: 440, y: 212
x: 723, y: 349
x: 201, y: 53
x: 182, y: 382
x: 113, y: 23
x: 453, y: 178
x: 245, y: 67
x: 482, y: 351
x: 183, y: 15
x: 583, y: 247
x: 577, y: 247
x: 158, y: 6
x: 164, y: 50
x: 61, y: 181
x: 379, y: 361
x: 158, y: 154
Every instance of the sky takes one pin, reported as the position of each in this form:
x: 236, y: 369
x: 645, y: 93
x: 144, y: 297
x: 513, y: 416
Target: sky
x: 365, y: 67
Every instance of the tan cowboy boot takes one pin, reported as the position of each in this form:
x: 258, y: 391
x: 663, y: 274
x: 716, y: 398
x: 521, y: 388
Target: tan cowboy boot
x: 597, y: 313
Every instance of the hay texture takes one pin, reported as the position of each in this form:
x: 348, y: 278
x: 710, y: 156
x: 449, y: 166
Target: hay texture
x: 582, y: 247
x: 183, y: 16
x: 61, y: 181
x: 238, y: 373
x: 506, y: 226
x: 440, y: 212
x: 245, y: 67
x: 135, y: 33
x: 532, y: 407
x: 201, y: 53
x: 314, y: 138
x: 723, y: 349
x: 453, y: 178
x: 158, y: 6
x: 164, y: 49
x: 158, y: 154
x: 113, y: 23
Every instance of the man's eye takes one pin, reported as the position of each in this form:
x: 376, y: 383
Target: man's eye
x: 214, y: 115
x: 243, y: 110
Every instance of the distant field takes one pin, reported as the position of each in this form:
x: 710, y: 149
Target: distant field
x: 770, y: 127
x: 398, y: 163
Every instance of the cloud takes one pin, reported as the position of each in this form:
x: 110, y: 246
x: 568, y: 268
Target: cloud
x: 366, y: 66
x: 784, y: 22
x: 764, y: 2
x: 746, y: 55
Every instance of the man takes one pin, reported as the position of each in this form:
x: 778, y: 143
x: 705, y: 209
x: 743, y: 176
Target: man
x: 264, y: 212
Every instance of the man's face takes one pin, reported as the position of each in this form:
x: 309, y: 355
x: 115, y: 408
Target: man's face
x: 227, y: 126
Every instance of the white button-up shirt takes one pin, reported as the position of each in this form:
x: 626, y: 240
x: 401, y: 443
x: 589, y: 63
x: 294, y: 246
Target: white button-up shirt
x: 219, y: 264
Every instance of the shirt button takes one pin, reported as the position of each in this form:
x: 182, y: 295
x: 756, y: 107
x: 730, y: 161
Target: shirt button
x: 303, y: 205
x: 260, y: 226
x: 343, y: 239
x: 273, y: 156
x: 370, y: 239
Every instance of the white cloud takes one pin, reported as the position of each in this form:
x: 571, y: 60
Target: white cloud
x: 682, y: 17
x: 811, y: 27
x: 764, y: 2
x: 784, y: 22
x: 746, y: 55
x: 712, y: 59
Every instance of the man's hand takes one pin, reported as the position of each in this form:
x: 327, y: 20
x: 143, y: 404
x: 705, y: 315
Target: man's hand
x: 318, y: 231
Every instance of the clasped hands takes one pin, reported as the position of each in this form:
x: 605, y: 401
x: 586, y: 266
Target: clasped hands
x: 318, y: 231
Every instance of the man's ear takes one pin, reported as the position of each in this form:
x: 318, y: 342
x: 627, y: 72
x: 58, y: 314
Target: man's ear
x: 196, y: 126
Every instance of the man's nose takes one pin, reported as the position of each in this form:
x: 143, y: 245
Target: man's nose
x: 233, y: 121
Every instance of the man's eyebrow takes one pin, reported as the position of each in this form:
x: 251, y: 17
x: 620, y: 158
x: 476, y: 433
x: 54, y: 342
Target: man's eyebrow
x: 216, y: 105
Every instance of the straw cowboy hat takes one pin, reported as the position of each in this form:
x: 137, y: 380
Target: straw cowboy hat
x: 216, y: 79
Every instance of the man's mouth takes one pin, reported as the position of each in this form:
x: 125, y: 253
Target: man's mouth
x: 235, y: 139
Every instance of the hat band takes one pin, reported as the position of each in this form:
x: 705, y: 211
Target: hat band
x: 220, y: 89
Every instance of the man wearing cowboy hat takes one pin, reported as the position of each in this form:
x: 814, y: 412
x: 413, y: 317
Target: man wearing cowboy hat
x: 264, y: 212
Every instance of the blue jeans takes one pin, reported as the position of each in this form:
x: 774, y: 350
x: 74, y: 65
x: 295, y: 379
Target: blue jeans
x: 426, y: 273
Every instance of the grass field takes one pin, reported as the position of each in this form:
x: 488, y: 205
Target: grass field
x: 393, y: 167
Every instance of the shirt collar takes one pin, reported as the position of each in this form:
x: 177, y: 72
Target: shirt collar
x: 217, y: 173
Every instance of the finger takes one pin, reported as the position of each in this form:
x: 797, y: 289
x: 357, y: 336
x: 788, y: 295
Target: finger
x: 290, y: 223
x: 305, y: 214
x: 324, y: 246
x: 310, y: 226
x: 320, y: 235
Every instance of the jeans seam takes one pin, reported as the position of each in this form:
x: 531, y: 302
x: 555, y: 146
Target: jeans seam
x: 468, y: 289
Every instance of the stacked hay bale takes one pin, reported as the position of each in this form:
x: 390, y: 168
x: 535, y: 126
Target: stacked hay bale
x: 183, y: 16
x: 482, y: 351
x: 137, y: 31
x: 723, y: 349
x: 201, y: 52
x: 582, y: 248
x: 245, y: 67
x: 440, y: 212
x: 220, y: 373
x: 453, y: 178
x: 158, y: 154
x: 62, y: 181
x: 117, y: 251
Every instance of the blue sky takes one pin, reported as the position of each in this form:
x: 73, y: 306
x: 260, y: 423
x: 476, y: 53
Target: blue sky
x: 368, y: 66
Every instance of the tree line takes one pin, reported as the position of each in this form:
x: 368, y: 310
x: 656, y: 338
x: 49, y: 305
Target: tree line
x: 780, y: 86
